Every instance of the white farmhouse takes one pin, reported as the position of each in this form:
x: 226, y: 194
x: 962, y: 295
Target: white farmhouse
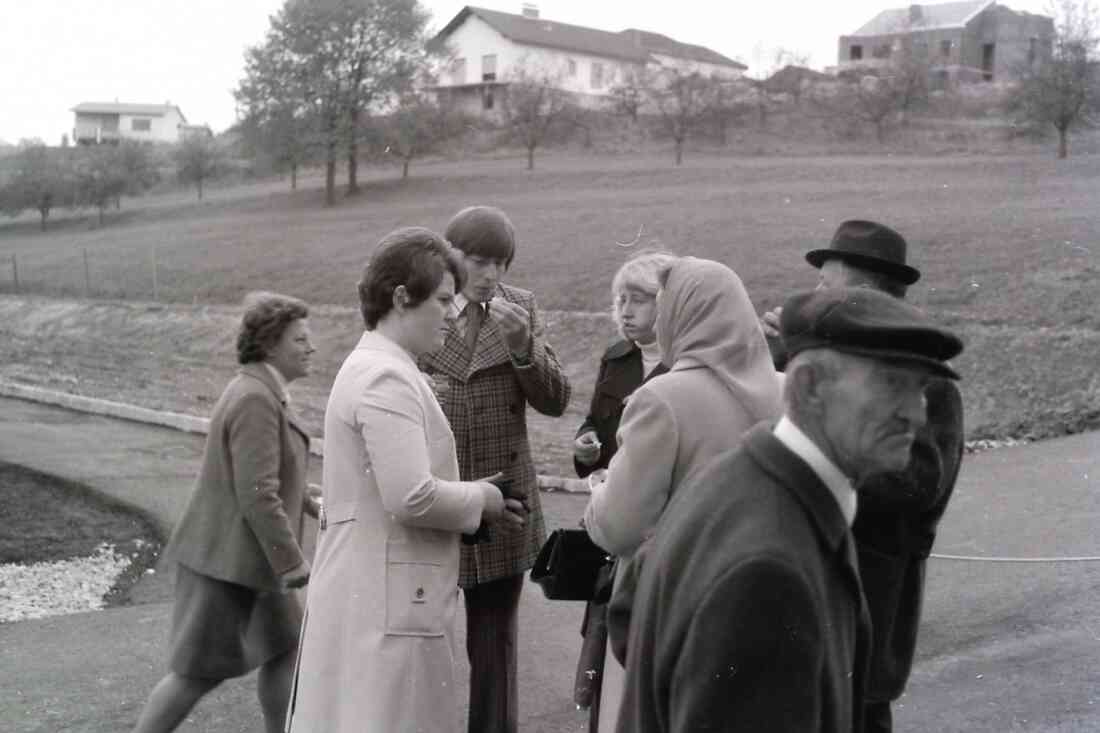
x: 100, y: 122
x: 487, y: 47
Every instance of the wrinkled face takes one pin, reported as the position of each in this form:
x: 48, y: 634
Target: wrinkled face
x: 425, y: 325
x: 638, y: 315
x: 871, y: 412
x: 291, y: 354
x: 483, y: 274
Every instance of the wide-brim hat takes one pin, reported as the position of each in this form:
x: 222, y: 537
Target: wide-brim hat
x: 868, y: 323
x: 870, y: 246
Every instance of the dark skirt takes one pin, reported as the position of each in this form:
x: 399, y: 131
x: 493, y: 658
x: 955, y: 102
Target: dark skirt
x: 222, y: 630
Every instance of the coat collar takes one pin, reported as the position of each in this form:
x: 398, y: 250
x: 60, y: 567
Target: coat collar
x: 258, y: 371
x: 456, y: 361
x: 801, y: 480
x: 619, y: 349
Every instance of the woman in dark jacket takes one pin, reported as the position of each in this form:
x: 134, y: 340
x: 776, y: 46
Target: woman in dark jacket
x: 237, y: 544
x: 625, y: 365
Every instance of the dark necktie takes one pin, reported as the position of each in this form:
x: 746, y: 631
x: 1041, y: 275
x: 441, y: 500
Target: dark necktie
x: 474, y: 316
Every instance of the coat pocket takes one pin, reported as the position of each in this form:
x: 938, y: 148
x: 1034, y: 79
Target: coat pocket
x: 415, y: 592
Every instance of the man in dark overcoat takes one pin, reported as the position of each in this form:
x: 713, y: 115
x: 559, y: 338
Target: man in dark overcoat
x: 748, y: 615
x: 495, y: 363
x: 899, y: 512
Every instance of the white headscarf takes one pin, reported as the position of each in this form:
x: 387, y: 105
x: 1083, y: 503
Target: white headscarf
x: 705, y: 319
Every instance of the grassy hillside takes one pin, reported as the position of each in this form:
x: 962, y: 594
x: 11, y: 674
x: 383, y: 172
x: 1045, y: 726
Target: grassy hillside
x: 1000, y: 239
x: 1007, y: 245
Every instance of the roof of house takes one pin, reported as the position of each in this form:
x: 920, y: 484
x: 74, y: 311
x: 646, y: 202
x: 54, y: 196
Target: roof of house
x: 121, y: 108
x: 790, y: 78
x: 629, y: 45
x: 943, y: 15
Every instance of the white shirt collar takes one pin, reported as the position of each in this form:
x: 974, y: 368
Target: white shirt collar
x: 838, y: 484
x: 279, y: 381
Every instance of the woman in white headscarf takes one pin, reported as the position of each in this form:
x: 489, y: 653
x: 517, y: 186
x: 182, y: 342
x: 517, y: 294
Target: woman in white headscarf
x: 720, y: 383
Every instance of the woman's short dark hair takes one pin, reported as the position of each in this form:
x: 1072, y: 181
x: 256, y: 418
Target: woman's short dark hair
x: 414, y: 257
x: 483, y: 231
x: 266, y: 317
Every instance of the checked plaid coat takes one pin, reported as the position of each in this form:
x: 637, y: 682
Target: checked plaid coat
x: 485, y: 395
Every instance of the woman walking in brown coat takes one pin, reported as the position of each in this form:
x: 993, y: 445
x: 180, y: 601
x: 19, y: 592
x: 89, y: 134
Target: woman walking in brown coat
x: 237, y: 543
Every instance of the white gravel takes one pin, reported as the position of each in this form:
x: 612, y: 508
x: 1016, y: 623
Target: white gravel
x: 60, y: 587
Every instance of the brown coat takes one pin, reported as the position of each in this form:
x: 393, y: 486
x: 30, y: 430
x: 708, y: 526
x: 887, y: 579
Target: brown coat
x: 485, y: 395
x: 243, y: 521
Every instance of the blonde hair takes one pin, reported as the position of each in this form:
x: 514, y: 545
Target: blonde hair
x: 642, y: 272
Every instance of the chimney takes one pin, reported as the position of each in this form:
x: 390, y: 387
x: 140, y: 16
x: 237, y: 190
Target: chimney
x: 915, y: 15
x: 530, y: 10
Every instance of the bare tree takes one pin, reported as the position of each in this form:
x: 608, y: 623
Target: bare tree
x: 418, y: 126
x: 629, y: 96
x: 533, y: 104
x: 1063, y: 91
x: 199, y: 158
x: 38, y: 181
x: 683, y: 99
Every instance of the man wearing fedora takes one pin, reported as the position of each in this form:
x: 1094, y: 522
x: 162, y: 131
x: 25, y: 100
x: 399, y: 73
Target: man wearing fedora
x: 769, y: 631
x: 899, y: 511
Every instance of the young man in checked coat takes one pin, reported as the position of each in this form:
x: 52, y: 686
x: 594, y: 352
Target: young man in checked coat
x: 494, y: 363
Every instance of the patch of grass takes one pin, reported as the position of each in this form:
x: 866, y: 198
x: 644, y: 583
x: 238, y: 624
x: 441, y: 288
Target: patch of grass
x: 47, y: 518
x: 1000, y: 239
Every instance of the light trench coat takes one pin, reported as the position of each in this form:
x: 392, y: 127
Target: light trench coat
x: 377, y: 651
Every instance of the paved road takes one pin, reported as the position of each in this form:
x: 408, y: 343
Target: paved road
x: 1004, y: 647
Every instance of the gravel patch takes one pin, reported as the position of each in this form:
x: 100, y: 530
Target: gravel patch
x: 53, y: 588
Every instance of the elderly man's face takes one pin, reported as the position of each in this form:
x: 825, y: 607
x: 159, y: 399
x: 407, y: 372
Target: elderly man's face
x: 872, y: 411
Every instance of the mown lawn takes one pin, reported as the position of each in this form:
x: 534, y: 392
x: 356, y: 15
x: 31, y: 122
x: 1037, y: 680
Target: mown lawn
x: 1007, y: 245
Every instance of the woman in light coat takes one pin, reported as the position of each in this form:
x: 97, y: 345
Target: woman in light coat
x: 377, y: 649
x: 721, y: 382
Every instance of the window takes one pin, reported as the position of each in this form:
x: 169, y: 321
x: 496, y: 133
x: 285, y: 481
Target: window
x: 855, y: 53
x: 487, y: 98
x: 572, y: 67
x: 945, y: 49
x: 597, y: 75
x: 881, y: 51
x: 458, y: 71
x: 1032, y: 50
x: 489, y: 67
x: 988, y: 51
x: 141, y: 125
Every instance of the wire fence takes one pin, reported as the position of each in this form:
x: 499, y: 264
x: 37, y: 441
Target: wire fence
x: 83, y: 274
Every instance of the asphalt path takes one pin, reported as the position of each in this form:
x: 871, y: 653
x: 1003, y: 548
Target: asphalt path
x: 1005, y: 646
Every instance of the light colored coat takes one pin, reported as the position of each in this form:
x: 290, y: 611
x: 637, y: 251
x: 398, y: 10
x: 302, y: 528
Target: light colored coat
x: 244, y: 519
x: 377, y: 651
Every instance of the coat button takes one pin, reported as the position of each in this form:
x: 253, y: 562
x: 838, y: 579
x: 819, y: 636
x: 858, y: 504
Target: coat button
x: 513, y: 456
x: 419, y: 592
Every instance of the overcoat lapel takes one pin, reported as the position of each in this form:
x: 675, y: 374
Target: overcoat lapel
x: 452, y: 358
x: 489, y: 349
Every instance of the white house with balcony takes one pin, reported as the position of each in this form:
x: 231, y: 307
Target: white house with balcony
x: 488, y: 47
x: 110, y: 122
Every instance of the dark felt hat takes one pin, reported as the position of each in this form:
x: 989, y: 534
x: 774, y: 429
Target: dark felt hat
x: 869, y: 245
x: 868, y: 323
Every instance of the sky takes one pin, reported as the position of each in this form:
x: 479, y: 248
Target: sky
x: 55, y: 54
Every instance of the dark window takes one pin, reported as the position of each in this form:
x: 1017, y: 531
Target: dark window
x: 489, y: 67
x: 945, y: 49
x: 1032, y: 50
x: 597, y: 75
x: 987, y: 61
x: 855, y: 53
x: 487, y: 98
x: 141, y: 125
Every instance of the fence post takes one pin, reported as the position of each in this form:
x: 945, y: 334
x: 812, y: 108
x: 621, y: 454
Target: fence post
x: 153, y: 252
x: 15, y: 271
x: 87, y: 278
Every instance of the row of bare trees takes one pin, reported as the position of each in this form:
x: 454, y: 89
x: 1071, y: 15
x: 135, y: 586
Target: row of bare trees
x: 42, y: 179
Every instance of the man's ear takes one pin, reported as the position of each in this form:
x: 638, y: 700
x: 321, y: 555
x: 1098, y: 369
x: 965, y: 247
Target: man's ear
x: 809, y: 380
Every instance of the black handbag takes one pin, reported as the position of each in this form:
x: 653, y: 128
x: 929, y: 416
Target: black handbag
x: 568, y: 565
